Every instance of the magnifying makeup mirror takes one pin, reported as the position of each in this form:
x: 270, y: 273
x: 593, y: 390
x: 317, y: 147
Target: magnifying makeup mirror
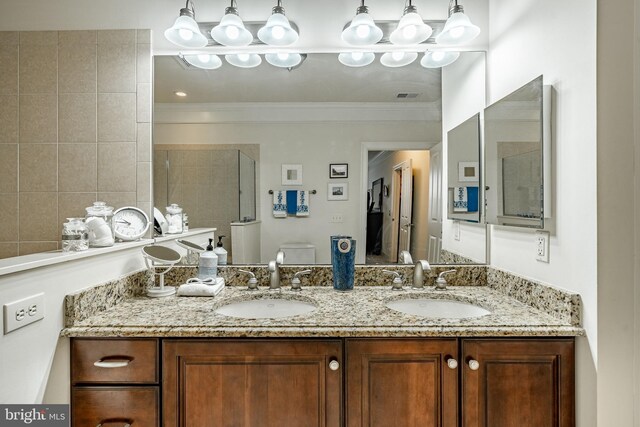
x: 161, y: 259
x: 193, y: 251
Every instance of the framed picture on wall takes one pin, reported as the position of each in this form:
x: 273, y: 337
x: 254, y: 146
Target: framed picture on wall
x: 291, y: 174
x: 468, y: 171
x: 338, y: 191
x: 338, y: 170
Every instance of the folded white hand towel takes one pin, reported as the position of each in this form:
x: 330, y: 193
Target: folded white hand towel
x: 279, y: 204
x: 201, y: 288
x: 302, y: 207
x: 460, y: 203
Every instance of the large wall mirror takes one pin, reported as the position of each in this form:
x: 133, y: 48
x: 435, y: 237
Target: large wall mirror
x: 517, y: 154
x: 464, y: 171
x: 349, y: 136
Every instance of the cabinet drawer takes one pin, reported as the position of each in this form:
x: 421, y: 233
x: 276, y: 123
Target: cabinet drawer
x: 115, y: 406
x: 132, y: 361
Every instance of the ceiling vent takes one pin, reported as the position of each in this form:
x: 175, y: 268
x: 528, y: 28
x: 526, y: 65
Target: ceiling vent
x: 407, y: 95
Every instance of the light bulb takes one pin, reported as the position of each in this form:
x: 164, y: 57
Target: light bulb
x: 185, y: 34
x: 278, y: 32
x: 409, y: 31
x: 244, y: 57
x: 204, y: 58
x: 363, y: 31
x: 357, y: 56
x: 232, y: 32
x: 283, y: 56
x: 397, y: 55
x: 437, y: 56
x: 457, y: 32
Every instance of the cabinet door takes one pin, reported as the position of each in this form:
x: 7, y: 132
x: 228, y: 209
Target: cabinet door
x: 270, y: 383
x: 515, y: 382
x: 397, y: 382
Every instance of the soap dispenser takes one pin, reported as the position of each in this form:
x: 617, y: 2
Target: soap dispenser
x: 221, y: 252
x: 208, y: 265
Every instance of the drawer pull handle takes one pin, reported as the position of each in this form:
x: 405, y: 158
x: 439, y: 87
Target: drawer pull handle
x: 474, y: 365
x: 452, y: 363
x: 334, y: 365
x: 113, y: 362
x: 126, y: 422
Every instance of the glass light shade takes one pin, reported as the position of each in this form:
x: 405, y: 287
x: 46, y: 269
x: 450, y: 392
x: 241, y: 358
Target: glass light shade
x: 205, y: 61
x: 185, y: 33
x: 283, y: 60
x: 398, y: 59
x: 457, y: 30
x: 356, y: 59
x: 410, y: 30
x: 231, y: 31
x: 362, y: 31
x: 438, y: 59
x: 244, y: 60
x: 278, y: 31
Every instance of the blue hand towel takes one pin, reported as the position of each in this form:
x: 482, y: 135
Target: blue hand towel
x: 279, y: 204
x: 472, y: 199
x: 292, y: 202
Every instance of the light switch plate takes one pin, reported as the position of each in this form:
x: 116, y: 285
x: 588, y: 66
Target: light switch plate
x: 542, y: 246
x: 456, y: 230
x: 336, y: 218
x: 23, y: 312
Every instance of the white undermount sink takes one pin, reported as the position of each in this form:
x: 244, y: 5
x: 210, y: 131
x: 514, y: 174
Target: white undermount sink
x: 441, y: 308
x: 267, y: 308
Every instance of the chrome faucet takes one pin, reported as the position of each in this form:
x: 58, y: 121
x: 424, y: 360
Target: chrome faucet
x: 418, y: 273
x: 397, y: 280
x: 441, y: 282
x: 274, y: 271
x: 295, y: 282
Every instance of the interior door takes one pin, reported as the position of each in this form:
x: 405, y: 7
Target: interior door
x: 435, y: 204
x: 406, y: 205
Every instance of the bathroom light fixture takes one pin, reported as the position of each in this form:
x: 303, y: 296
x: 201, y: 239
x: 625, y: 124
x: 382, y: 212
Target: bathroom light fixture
x: 362, y: 31
x: 244, y: 60
x: 185, y: 31
x: 278, y: 31
x: 411, y: 29
x: 231, y: 31
x: 180, y: 94
x: 398, y: 59
x: 438, y: 58
x: 205, y: 61
x: 356, y: 59
x: 283, y: 59
x: 458, y: 29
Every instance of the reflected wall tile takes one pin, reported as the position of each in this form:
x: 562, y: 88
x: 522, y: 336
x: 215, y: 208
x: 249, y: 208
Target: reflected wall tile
x: 9, y: 37
x: 116, y: 68
x: 39, y: 217
x: 38, y: 118
x: 39, y: 37
x: 143, y: 181
x: 38, y: 69
x: 8, y: 250
x: 116, y: 36
x: 8, y: 69
x: 77, y: 68
x: 72, y: 205
x: 143, y: 141
x: 9, y: 217
x: 117, y: 167
x: 27, y: 248
x: 77, y: 117
x: 77, y: 167
x: 78, y: 37
x: 8, y: 168
x: 38, y: 168
x: 118, y: 200
x: 143, y: 63
x: 143, y: 103
x: 117, y: 117
x: 8, y: 119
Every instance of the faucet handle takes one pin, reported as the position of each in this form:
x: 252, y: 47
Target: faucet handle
x: 441, y: 282
x: 295, y: 282
x: 397, y: 280
x: 253, y: 282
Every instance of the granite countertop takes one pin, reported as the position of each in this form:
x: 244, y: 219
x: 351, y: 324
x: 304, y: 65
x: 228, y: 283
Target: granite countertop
x: 358, y: 313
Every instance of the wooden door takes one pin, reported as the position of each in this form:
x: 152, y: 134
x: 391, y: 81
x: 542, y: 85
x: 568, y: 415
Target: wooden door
x: 435, y: 204
x: 396, y: 382
x: 270, y: 383
x: 516, y: 382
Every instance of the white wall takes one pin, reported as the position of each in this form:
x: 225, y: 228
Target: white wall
x: 529, y: 38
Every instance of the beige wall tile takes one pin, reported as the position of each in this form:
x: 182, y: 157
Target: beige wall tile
x: 118, y: 200
x: 39, y: 217
x: 143, y: 182
x: 9, y: 217
x: 117, y: 167
x: 143, y: 141
x: 8, y: 69
x: 77, y: 117
x: 143, y: 36
x: 143, y: 64
x: 38, y: 69
x: 77, y: 68
x: 27, y: 248
x: 72, y: 205
x: 116, y: 117
x: 9, y: 37
x: 8, y: 168
x: 8, y: 250
x: 116, y: 68
x: 39, y: 37
x: 8, y: 119
x: 38, y: 167
x: 116, y: 36
x: 78, y: 37
x: 38, y: 118
x: 143, y: 103
x: 159, y: 178
x: 77, y: 167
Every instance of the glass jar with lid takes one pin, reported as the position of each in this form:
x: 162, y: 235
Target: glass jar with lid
x: 99, y: 220
x: 75, y: 236
x: 174, y: 219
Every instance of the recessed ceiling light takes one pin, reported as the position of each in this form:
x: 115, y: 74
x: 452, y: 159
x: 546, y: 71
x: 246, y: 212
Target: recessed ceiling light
x: 179, y: 93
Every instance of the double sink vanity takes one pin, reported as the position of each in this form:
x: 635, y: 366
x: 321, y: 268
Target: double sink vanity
x: 491, y: 350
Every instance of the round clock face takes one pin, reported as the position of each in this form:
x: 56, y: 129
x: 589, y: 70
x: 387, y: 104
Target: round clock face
x: 130, y: 223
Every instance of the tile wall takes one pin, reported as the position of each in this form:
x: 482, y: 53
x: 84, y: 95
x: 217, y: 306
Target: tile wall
x: 75, y: 127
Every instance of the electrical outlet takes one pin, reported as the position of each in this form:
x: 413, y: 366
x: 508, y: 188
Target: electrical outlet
x: 456, y: 230
x: 336, y: 218
x: 542, y: 246
x: 23, y: 312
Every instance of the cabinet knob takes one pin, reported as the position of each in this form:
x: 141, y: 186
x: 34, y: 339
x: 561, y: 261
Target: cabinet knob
x: 334, y: 365
x: 452, y: 363
x: 474, y: 365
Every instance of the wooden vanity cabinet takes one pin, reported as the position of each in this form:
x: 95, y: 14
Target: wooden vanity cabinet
x: 266, y: 383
